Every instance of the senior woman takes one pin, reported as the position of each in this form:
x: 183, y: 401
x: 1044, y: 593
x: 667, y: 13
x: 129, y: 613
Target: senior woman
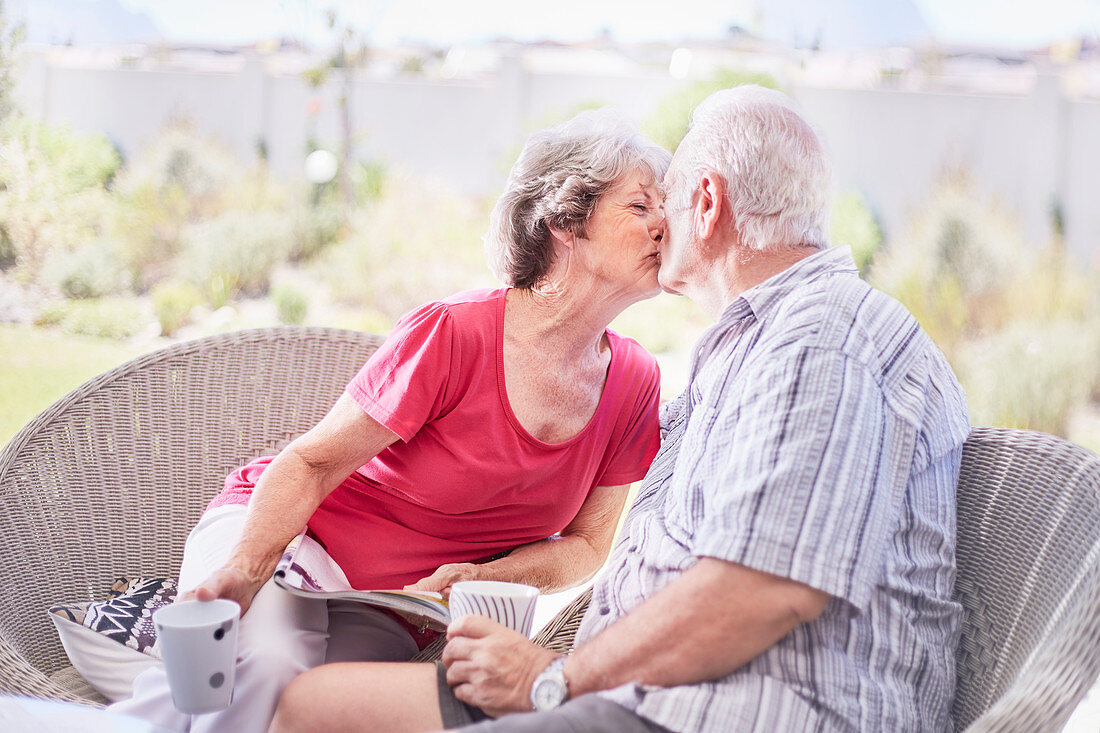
x: 491, y: 421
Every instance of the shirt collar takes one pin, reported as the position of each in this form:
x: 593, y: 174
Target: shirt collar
x: 759, y: 299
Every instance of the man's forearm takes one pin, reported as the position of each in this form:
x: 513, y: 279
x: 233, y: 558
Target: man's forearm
x: 712, y: 620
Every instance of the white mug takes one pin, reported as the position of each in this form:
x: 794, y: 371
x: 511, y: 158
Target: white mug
x: 198, y: 642
x: 511, y: 604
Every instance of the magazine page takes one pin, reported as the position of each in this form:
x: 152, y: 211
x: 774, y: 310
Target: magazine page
x: 306, y: 569
x: 305, y: 565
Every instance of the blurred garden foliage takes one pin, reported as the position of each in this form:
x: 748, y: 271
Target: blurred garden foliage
x: 182, y: 226
x: 47, y: 170
x: 415, y: 242
x: 183, y: 236
x: 11, y: 35
x: 1019, y: 321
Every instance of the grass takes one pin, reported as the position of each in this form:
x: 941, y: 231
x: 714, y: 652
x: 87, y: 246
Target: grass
x: 38, y: 367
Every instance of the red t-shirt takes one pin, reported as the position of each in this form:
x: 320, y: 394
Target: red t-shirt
x: 466, y: 480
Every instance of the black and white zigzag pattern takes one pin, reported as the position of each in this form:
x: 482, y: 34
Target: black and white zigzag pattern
x: 127, y: 618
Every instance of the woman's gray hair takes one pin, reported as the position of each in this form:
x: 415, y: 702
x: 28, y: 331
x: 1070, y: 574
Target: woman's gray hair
x: 556, y: 182
x: 778, y: 177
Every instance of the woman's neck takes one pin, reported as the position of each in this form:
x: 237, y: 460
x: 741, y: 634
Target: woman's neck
x: 568, y: 322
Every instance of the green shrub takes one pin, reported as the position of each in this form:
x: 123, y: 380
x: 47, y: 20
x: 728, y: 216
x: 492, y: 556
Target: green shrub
x: 236, y: 253
x: 853, y: 224
x: 173, y: 302
x: 53, y: 197
x: 7, y: 249
x: 51, y: 313
x: 314, y: 229
x: 1030, y: 375
x: 291, y: 304
x: 76, y: 160
x: 668, y: 125
x: 957, y: 263
x: 178, y: 180
x: 91, y: 271
x: 114, y: 318
x: 11, y: 37
x: 182, y: 159
x: 253, y: 188
x: 1019, y: 323
x: 148, y: 224
x: 395, y: 257
x: 369, y: 181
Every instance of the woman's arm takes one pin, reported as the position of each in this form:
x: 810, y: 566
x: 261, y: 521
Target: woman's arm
x: 289, y: 491
x: 552, y: 564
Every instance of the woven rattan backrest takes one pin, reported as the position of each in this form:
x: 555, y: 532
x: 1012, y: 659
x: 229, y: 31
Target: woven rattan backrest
x: 109, y: 480
x: 1028, y: 578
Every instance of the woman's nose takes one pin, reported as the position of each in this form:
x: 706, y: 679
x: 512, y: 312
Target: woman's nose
x: 657, y: 231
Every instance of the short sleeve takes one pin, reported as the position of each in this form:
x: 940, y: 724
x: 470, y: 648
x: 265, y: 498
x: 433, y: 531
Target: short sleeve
x: 404, y: 383
x: 803, y: 472
x: 641, y: 435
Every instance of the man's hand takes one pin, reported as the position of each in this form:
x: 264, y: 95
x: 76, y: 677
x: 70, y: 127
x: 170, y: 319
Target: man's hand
x: 227, y: 582
x: 491, y: 666
x: 447, y: 575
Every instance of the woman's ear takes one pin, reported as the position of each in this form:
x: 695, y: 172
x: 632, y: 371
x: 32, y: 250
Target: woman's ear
x: 562, y: 238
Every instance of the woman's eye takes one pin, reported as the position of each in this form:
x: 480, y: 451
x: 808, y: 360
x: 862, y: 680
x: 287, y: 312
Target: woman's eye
x: 640, y: 208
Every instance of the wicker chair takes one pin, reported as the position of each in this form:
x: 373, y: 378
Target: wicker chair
x: 110, y: 479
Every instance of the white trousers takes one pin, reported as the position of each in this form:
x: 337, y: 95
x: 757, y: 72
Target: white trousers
x: 281, y: 636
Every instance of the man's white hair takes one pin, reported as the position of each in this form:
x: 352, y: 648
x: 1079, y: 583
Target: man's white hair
x: 778, y: 178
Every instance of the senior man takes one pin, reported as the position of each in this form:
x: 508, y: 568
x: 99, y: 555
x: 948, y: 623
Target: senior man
x: 789, y: 561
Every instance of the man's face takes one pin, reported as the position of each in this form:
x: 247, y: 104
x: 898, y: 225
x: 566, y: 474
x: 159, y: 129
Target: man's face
x: 676, y: 247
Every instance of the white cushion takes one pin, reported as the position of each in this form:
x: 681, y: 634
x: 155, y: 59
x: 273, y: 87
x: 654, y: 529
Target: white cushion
x: 108, y: 666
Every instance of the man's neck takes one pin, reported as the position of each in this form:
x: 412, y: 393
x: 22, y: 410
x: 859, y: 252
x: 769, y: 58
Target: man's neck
x: 742, y: 269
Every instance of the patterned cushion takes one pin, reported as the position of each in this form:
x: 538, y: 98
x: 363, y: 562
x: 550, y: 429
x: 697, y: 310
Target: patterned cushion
x: 126, y: 615
x: 111, y: 642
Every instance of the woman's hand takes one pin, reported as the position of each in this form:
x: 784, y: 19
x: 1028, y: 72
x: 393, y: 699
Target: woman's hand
x: 227, y: 582
x: 447, y: 575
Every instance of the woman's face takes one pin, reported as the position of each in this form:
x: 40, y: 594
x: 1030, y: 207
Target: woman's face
x: 623, y: 233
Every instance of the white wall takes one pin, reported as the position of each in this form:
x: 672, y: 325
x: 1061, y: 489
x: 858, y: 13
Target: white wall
x: 1082, y: 179
x: 1031, y: 150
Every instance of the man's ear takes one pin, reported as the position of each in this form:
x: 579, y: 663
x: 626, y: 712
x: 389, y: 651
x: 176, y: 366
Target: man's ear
x: 710, y: 204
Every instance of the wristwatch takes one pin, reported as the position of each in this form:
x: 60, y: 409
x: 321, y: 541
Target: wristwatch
x: 550, y: 688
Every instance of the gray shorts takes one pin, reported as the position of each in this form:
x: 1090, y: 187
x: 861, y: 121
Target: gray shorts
x: 586, y: 714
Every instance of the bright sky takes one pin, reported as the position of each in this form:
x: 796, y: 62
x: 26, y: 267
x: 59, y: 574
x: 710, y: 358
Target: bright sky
x: 1010, y: 22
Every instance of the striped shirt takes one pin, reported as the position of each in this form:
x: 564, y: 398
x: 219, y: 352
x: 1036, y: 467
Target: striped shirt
x: 819, y: 439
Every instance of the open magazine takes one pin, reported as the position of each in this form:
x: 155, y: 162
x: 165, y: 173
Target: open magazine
x: 307, y: 570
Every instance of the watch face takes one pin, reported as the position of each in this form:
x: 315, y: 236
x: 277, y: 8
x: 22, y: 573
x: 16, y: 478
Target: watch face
x: 548, y: 694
